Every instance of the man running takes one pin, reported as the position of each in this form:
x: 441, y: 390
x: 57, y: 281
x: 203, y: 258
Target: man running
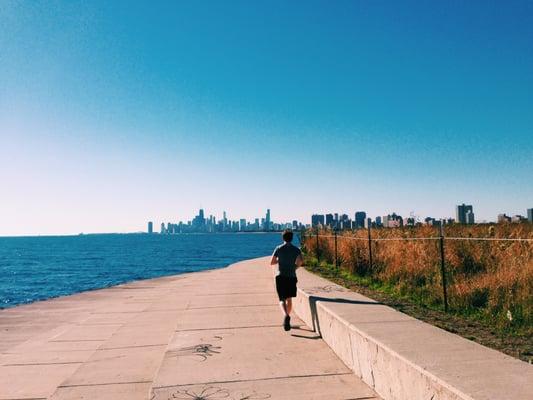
x: 288, y: 257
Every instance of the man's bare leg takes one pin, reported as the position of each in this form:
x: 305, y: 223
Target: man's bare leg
x: 284, y: 309
x: 286, y: 306
x: 288, y: 303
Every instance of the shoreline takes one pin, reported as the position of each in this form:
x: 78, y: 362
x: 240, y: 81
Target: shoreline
x: 43, y: 268
x: 2, y: 308
x: 155, y: 234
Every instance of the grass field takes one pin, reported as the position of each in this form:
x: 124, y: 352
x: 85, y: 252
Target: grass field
x: 491, y: 281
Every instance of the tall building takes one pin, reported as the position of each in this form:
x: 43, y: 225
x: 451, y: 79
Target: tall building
x: 329, y: 220
x: 163, y: 229
x: 530, y: 215
x: 198, y: 221
x: 317, y: 219
x: 360, y: 217
x: 461, y: 212
x: 242, y: 224
x: 344, y: 222
x: 470, y: 217
x: 267, y: 220
x: 150, y: 227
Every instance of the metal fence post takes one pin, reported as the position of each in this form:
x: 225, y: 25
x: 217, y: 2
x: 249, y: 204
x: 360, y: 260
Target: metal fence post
x: 443, y: 268
x: 336, y: 252
x: 369, y: 248
x: 317, y: 247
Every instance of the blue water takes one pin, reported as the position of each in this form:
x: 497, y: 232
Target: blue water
x: 38, y: 268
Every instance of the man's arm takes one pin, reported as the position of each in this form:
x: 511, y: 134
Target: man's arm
x: 299, y: 261
x: 274, y: 259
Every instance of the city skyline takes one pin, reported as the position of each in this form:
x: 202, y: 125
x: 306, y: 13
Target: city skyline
x: 201, y: 223
x: 113, y: 114
x: 464, y: 214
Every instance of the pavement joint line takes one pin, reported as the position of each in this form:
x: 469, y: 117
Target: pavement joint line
x: 258, y: 379
x: 229, y: 294
x: 46, y: 351
x: 237, y: 306
x: 50, y: 363
x: 229, y: 327
x: 133, y: 347
x: 27, y: 398
x: 116, y: 312
x: 77, y: 340
x: 103, y: 384
x: 384, y: 321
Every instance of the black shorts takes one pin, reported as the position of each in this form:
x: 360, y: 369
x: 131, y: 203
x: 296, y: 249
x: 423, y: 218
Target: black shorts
x: 286, y: 287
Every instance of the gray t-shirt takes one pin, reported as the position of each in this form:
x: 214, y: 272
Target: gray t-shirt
x: 287, y: 254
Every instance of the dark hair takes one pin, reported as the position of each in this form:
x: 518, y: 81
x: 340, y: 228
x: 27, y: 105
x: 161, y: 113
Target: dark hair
x: 287, y: 235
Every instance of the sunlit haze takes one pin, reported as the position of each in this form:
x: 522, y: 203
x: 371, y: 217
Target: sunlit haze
x: 116, y: 113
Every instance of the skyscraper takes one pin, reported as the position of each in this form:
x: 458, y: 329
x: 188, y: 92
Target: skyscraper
x: 470, y: 217
x: 530, y: 214
x: 150, y: 227
x: 329, y: 220
x: 224, y: 221
x: 199, y: 221
x: 267, y: 220
x: 461, y: 212
x: 360, y: 217
x: 163, y: 230
x: 317, y: 219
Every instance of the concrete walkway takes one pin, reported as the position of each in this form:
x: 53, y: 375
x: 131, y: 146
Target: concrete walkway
x: 209, y: 335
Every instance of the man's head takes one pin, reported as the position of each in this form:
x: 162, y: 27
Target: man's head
x: 287, y: 235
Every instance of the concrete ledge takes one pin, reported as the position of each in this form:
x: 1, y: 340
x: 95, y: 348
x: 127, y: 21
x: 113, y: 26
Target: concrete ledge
x: 402, y: 358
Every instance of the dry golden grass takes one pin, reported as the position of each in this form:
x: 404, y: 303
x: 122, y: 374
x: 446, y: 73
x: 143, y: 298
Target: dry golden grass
x: 492, y: 279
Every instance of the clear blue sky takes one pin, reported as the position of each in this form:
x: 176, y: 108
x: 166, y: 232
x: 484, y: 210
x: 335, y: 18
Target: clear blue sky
x: 115, y: 113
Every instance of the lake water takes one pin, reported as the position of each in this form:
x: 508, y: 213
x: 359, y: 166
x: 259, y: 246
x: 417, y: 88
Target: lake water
x: 38, y: 268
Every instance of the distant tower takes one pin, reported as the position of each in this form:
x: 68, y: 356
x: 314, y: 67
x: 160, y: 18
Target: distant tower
x: 469, y: 216
x: 530, y: 214
x: 150, y: 227
x: 163, y: 230
x: 360, y: 217
x: 267, y: 220
x: 464, y: 214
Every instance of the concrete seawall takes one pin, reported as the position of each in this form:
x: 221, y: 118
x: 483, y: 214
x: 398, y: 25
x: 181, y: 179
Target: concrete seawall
x: 402, y: 358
